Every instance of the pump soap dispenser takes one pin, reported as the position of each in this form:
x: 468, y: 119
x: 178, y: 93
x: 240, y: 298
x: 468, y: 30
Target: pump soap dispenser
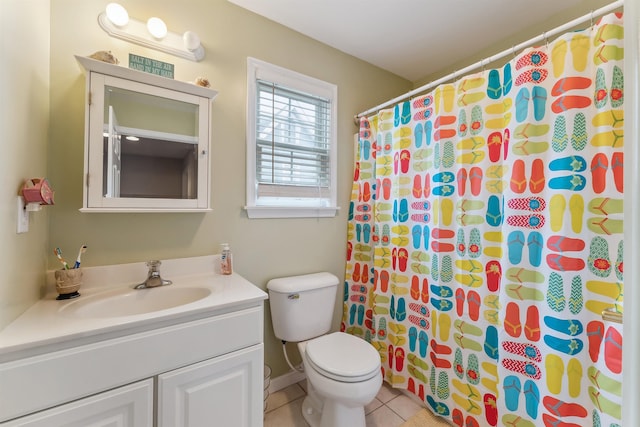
x: 225, y: 259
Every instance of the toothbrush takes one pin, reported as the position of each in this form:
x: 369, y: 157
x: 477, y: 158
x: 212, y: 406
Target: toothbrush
x: 82, y: 250
x: 58, y: 253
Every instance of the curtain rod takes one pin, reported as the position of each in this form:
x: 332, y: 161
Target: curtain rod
x: 544, y: 36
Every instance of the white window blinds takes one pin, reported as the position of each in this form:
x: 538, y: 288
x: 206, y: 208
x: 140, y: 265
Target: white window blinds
x: 293, y: 132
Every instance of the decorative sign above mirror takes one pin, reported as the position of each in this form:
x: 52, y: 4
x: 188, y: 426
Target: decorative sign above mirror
x: 148, y: 65
x: 147, y: 142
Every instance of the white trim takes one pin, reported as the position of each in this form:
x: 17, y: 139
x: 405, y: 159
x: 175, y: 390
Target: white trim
x: 284, y: 381
x: 262, y: 70
x: 138, y: 76
x: 297, y: 81
x: 259, y: 212
x: 146, y: 210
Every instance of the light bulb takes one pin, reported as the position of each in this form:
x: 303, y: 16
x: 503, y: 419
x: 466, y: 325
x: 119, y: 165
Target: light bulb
x: 157, y: 27
x: 191, y: 40
x: 117, y: 14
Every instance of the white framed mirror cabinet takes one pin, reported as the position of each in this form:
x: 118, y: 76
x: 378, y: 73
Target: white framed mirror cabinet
x: 147, y: 141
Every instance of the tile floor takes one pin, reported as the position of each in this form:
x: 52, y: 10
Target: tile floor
x: 390, y: 408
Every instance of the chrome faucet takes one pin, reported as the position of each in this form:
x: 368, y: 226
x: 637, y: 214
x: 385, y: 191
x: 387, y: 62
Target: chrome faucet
x: 153, y: 278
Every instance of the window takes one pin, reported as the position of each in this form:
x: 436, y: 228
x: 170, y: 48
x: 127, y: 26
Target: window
x: 291, y: 143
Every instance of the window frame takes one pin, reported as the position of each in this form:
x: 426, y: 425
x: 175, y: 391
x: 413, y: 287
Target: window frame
x: 295, y: 208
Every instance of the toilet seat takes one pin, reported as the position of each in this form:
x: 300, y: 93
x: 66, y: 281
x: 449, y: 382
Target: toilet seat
x: 343, y: 357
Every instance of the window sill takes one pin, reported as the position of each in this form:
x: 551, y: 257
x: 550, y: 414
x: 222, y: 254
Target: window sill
x: 257, y: 212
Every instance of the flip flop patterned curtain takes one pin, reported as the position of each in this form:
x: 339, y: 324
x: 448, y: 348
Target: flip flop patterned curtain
x: 485, y: 238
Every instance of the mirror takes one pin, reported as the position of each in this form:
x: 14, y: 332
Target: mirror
x: 147, y: 142
x: 152, y: 151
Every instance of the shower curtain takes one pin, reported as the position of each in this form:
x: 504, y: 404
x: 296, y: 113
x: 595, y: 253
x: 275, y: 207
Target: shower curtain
x: 485, y: 238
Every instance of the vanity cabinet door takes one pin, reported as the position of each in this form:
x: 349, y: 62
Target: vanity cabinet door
x: 128, y: 406
x: 223, y: 391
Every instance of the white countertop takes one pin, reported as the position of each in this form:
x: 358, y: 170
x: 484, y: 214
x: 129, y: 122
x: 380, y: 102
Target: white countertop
x: 47, y: 326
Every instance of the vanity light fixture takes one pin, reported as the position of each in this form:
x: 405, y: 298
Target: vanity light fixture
x: 157, y: 28
x: 153, y: 34
x: 117, y: 14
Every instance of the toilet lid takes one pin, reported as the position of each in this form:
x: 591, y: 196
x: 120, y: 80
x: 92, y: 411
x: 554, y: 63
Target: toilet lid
x: 343, y: 357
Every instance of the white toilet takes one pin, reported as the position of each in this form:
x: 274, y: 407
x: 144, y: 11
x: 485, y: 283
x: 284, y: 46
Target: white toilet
x: 343, y: 371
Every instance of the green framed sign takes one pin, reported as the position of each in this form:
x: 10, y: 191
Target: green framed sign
x: 151, y: 66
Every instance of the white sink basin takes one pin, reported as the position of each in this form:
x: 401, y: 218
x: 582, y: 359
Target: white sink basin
x: 130, y: 302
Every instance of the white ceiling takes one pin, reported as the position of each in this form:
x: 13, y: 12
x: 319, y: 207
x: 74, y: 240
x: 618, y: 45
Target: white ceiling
x: 411, y: 38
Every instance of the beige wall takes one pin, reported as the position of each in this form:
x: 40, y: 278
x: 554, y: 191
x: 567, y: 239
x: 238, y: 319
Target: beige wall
x: 263, y: 249
x: 526, y: 32
x: 24, y: 122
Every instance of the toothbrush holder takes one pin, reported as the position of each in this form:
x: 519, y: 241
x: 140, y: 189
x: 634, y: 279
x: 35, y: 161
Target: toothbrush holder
x: 68, y: 282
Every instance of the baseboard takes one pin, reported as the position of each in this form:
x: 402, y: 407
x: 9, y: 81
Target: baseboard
x: 283, y: 381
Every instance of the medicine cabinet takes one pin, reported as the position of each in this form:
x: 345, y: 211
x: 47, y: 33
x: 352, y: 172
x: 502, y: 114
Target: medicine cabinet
x: 147, y: 142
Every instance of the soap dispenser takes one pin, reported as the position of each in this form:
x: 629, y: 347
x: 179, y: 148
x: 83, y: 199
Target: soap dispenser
x: 225, y: 259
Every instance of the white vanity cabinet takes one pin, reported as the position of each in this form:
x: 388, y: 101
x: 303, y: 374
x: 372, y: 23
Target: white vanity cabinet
x: 222, y: 390
x: 194, y: 365
x: 206, y: 369
x: 147, y: 142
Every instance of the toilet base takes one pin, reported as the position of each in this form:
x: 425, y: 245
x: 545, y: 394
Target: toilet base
x: 331, y: 403
x: 332, y: 414
x: 310, y: 412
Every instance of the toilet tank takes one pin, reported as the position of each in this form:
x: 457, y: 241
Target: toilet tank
x: 302, y: 306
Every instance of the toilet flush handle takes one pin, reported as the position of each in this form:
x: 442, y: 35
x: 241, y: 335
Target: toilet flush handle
x: 294, y: 296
